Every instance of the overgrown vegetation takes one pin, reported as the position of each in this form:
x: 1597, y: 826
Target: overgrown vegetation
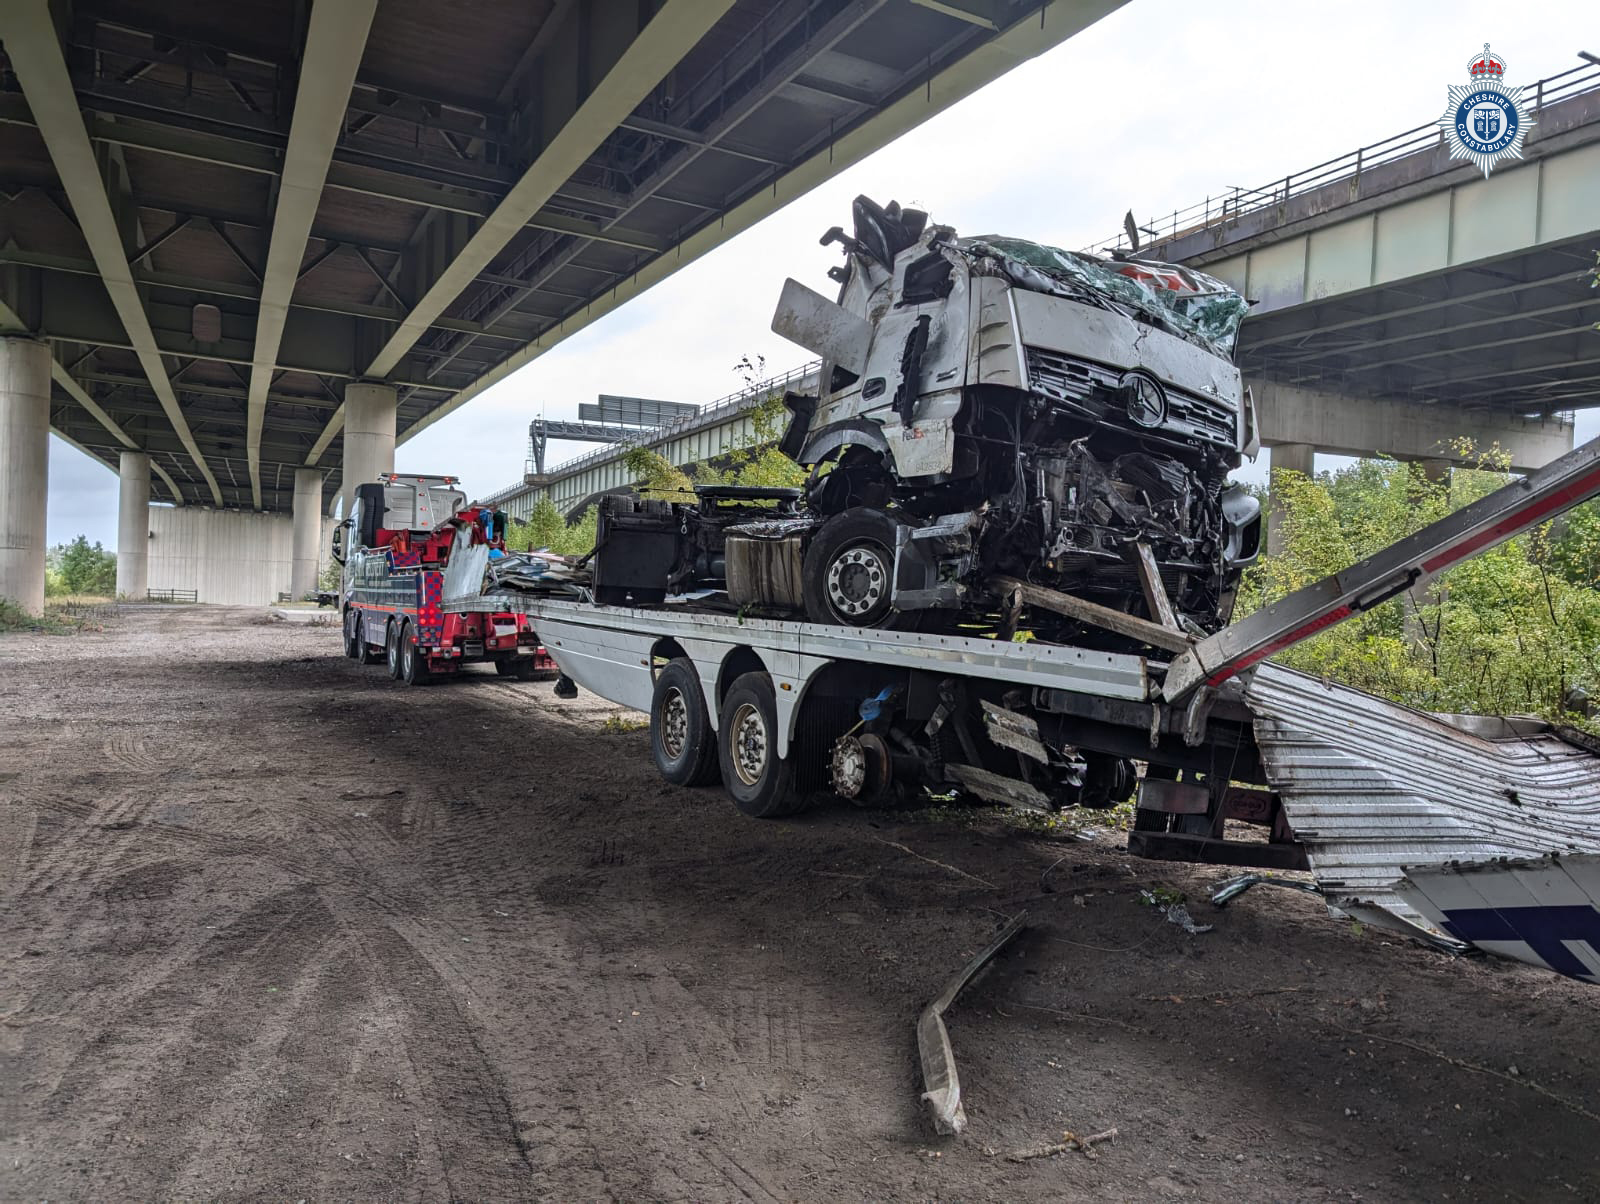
x: 62, y: 616
x: 1513, y: 630
x: 80, y: 568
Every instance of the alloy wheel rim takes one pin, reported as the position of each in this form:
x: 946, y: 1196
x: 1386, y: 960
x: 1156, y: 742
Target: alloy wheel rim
x: 858, y: 580
x: 749, y: 744
x: 674, y: 724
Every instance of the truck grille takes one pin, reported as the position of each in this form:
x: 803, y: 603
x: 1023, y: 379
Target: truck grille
x: 1088, y: 387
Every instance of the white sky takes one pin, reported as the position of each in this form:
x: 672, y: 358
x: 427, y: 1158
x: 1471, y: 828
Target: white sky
x: 1156, y: 107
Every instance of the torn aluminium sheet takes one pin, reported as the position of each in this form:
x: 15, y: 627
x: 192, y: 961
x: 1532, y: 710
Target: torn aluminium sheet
x: 1397, y: 806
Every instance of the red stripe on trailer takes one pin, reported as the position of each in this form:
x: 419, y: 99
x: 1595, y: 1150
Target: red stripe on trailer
x: 1526, y: 517
x: 1337, y: 614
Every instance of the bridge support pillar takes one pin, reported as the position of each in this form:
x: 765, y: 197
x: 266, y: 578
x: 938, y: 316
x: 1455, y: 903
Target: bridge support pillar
x: 133, y: 526
x: 1290, y: 457
x: 24, y: 468
x: 369, y: 427
x: 307, y: 531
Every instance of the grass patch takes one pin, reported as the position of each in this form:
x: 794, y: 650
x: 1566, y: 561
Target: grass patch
x: 63, y: 615
x: 618, y: 724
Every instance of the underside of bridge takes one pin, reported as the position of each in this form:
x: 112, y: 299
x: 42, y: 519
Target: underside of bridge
x: 220, y: 215
x: 1401, y: 297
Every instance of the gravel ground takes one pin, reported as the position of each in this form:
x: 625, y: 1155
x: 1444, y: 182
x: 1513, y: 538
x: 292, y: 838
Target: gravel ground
x: 276, y: 927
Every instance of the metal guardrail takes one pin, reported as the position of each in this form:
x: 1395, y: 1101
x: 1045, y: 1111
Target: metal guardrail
x: 1216, y: 211
x: 172, y: 595
x: 709, y: 415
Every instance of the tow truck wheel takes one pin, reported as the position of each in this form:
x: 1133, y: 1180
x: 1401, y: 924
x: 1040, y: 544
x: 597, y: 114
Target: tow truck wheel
x: 518, y: 667
x: 681, y: 739
x: 391, y: 648
x: 352, y: 637
x: 363, y: 647
x: 847, y: 577
x: 760, y: 782
x: 413, y: 661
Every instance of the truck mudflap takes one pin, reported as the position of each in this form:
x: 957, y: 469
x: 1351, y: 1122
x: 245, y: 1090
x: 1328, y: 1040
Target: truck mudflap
x: 1403, y: 814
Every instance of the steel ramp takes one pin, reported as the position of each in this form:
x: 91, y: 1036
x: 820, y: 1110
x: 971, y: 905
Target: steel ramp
x: 1372, y: 788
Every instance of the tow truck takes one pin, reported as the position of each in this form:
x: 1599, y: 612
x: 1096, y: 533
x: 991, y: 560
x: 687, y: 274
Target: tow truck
x: 395, y: 549
x: 1468, y: 830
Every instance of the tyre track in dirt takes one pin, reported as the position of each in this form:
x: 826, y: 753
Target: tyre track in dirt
x: 344, y: 940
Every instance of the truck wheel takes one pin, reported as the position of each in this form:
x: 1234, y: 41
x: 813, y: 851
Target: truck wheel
x: 391, y: 648
x: 518, y: 667
x: 761, y: 782
x: 847, y: 577
x: 413, y: 662
x: 681, y: 739
x: 364, y: 653
x: 352, y: 636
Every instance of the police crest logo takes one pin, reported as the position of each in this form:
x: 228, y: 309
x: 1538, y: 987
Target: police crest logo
x: 1485, y: 120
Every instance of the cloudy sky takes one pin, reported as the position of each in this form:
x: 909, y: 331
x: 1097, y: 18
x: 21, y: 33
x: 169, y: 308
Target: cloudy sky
x: 1156, y: 107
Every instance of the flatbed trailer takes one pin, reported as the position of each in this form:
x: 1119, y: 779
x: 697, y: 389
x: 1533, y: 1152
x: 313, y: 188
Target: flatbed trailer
x: 1472, y: 829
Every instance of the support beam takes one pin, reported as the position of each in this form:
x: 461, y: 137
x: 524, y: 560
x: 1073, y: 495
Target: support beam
x: 1286, y: 457
x: 1045, y: 26
x: 24, y: 469
x: 28, y: 33
x: 369, y: 410
x: 133, y: 526
x: 307, y: 532
x: 674, y: 30
x: 1353, y: 426
x: 334, y: 45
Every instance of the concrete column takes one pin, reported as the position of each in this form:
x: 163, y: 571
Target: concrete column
x: 1294, y: 457
x: 307, y: 531
x: 24, y: 468
x: 133, y: 526
x: 369, y: 421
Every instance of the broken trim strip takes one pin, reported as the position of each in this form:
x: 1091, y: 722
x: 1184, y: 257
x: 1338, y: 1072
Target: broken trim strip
x: 940, y: 1081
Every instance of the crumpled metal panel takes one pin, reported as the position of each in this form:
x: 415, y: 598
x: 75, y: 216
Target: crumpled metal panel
x: 1543, y: 912
x: 1371, y: 787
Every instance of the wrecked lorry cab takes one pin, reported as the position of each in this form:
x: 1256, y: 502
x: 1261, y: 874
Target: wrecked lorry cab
x: 990, y: 407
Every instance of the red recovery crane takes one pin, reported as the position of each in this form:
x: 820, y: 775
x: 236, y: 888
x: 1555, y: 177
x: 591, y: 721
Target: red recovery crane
x: 396, y: 551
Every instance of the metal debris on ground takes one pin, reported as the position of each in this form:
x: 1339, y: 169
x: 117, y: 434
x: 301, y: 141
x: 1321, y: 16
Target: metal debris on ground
x: 1175, y: 912
x: 941, y: 1083
x: 1227, y: 892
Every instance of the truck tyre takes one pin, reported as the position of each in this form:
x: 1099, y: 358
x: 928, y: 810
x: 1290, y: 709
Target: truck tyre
x: 681, y: 739
x: 848, y: 574
x: 413, y: 662
x: 364, y: 653
x: 760, y: 782
x: 391, y: 648
x: 352, y: 638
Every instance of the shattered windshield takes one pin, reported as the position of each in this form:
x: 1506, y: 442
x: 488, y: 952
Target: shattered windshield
x: 1187, y: 303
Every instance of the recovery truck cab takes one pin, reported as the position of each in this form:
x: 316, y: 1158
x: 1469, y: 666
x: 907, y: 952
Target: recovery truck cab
x: 395, y: 549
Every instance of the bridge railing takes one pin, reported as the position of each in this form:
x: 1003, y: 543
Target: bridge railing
x: 1233, y: 204
x: 708, y: 415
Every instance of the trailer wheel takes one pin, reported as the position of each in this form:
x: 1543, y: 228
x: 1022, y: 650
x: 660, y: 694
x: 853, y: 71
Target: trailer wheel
x: 391, y: 648
x: 681, y: 739
x: 760, y: 782
x: 352, y: 633
x: 413, y: 662
x: 848, y: 573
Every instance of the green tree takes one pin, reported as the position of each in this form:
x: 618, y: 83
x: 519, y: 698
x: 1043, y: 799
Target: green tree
x: 547, y: 529
x: 1512, y: 630
x: 80, y: 568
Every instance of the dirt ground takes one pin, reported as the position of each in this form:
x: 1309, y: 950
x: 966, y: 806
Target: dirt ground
x: 276, y: 927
